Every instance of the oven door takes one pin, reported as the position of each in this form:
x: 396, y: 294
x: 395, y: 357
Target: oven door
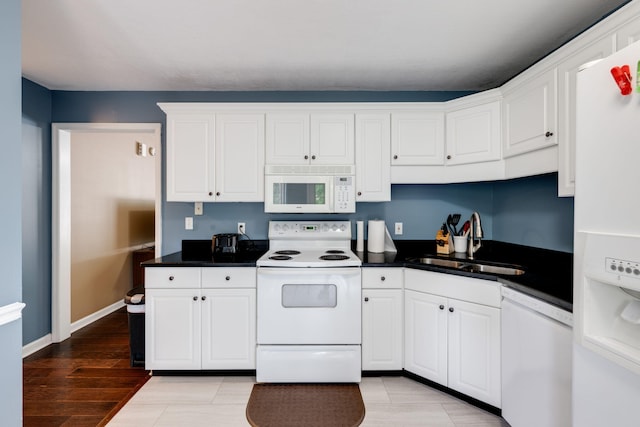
x: 309, y: 306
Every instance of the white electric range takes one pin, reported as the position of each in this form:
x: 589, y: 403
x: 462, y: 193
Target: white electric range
x: 309, y: 310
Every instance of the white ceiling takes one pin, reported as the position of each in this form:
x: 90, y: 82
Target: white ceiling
x: 219, y: 45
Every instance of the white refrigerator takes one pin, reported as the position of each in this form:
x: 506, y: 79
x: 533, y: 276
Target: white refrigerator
x: 606, y: 350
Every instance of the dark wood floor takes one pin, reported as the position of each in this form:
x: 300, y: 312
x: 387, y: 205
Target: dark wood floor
x: 84, y: 380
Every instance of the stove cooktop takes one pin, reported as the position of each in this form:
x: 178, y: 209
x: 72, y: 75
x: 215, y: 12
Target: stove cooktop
x: 309, y: 258
x: 309, y: 244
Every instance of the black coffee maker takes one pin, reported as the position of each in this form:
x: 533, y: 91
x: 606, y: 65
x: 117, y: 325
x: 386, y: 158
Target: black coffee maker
x: 226, y: 243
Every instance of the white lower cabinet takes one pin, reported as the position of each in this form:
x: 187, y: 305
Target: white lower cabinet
x: 172, y: 328
x: 450, y: 341
x: 208, y: 327
x: 382, y: 321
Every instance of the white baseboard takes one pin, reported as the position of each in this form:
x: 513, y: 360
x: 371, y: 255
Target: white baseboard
x: 36, y: 345
x: 79, y: 324
x: 46, y: 340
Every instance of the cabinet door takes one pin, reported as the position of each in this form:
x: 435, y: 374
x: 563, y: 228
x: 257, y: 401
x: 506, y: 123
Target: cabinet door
x: 239, y: 158
x: 567, y: 76
x: 474, y: 351
x: 332, y: 139
x: 373, y: 155
x: 474, y: 134
x: 425, y: 323
x: 287, y: 139
x: 417, y: 138
x: 190, y: 157
x: 382, y: 329
x: 229, y: 329
x: 530, y: 115
x: 628, y: 34
x: 172, y: 328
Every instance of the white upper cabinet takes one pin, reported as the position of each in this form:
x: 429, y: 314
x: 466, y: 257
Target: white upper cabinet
x: 333, y: 138
x: 530, y: 115
x: 214, y: 156
x: 287, y: 139
x: 310, y: 138
x: 567, y: 76
x: 629, y: 33
x: 417, y: 138
x: 474, y: 134
x: 190, y: 157
x: 239, y: 159
x: 373, y: 153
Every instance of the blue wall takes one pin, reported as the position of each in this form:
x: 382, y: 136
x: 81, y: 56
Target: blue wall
x: 36, y: 210
x: 10, y: 214
x: 524, y: 211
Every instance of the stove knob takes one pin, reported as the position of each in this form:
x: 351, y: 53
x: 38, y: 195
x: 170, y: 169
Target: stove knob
x: 343, y: 227
x: 276, y: 227
x: 334, y: 227
x: 285, y: 228
x: 325, y: 227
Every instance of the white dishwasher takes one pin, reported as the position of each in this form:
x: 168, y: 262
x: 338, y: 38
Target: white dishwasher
x: 536, y: 362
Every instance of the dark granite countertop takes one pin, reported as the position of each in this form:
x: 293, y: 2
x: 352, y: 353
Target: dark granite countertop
x: 548, y: 274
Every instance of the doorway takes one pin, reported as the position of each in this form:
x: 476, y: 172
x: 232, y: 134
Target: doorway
x: 64, y: 139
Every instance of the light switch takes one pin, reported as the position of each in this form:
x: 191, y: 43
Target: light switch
x: 188, y: 223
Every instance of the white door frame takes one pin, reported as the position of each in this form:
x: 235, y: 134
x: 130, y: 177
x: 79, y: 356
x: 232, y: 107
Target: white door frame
x: 61, y: 213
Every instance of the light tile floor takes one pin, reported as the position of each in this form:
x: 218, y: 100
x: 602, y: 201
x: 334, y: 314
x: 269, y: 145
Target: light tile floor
x: 221, y: 401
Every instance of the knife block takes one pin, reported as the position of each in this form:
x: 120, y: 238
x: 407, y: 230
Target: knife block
x: 444, y: 243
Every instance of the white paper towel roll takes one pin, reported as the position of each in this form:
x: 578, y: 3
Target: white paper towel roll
x: 359, y: 236
x: 375, y: 240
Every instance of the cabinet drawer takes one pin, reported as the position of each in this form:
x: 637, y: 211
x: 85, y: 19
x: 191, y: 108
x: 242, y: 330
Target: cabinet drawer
x: 225, y: 277
x: 382, y: 278
x: 172, y: 277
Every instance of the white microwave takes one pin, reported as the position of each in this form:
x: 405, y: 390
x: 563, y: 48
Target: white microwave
x: 310, y: 189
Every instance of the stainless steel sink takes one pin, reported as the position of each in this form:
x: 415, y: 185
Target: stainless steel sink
x: 494, y: 269
x: 440, y: 262
x: 474, y: 267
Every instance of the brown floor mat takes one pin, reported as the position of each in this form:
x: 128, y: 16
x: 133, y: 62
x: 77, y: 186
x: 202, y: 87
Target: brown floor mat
x: 306, y: 405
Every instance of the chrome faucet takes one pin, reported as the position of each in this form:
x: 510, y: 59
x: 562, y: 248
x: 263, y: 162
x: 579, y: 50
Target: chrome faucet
x: 475, y: 232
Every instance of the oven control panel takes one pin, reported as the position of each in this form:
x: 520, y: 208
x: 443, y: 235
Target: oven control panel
x: 310, y: 229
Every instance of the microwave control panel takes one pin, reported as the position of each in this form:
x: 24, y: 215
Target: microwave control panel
x: 345, y: 194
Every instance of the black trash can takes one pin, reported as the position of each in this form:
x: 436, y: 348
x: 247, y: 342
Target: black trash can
x: 135, y: 312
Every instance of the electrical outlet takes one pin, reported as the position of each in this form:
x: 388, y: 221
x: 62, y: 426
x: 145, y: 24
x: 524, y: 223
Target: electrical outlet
x: 198, y: 208
x: 188, y: 223
x: 398, y: 229
x: 242, y: 228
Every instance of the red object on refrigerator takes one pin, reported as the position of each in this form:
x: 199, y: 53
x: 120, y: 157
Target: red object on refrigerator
x: 622, y: 76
